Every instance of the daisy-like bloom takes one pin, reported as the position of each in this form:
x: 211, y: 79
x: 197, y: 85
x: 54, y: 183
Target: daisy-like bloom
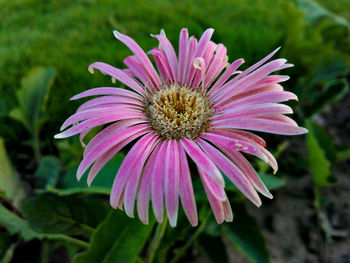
x: 195, y: 105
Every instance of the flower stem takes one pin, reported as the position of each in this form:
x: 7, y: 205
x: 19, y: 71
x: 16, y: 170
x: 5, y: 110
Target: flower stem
x: 72, y: 240
x: 199, y: 230
x: 321, y: 252
x: 158, y: 235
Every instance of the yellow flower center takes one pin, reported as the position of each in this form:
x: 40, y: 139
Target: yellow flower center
x: 176, y: 112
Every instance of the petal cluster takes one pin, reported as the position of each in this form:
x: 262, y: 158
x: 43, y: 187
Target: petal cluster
x: 156, y: 170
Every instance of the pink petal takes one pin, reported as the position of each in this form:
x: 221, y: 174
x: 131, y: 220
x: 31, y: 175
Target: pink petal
x: 258, y: 64
x: 217, y: 64
x: 106, y: 145
x: 111, y: 101
x: 136, y: 169
x: 224, y: 77
x: 234, y: 87
x: 162, y: 64
x: 171, y: 181
x: 186, y: 189
x: 107, y: 91
x: 202, y: 160
x: 95, y: 121
x: 268, y: 157
x: 119, y: 75
x: 207, y: 57
x: 216, y: 205
x: 169, y: 53
x: 199, y: 63
x: 109, y: 131
x: 228, y: 216
x: 144, y: 192
x: 247, y: 135
x: 216, y: 190
x: 231, y: 171
x: 139, y: 71
x: 258, y: 124
x: 183, y: 46
x: 258, y: 97
x: 253, y: 111
x: 126, y: 169
x: 163, y: 74
x: 234, y: 141
x: 199, y: 51
x: 249, y: 171
x: 100, y: 162
x: 141, y: 55
x: 279, y: 118
x: 158, y: 183
x: 192, y: 44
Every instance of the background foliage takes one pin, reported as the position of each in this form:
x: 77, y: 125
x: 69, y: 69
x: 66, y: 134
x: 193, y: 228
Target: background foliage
x: 45, y: 49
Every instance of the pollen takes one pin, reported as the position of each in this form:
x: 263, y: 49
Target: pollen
x: 177, y: 112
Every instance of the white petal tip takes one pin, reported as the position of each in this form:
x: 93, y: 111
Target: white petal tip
x: 264, y: 158
x: 89, y: 182
x: 114, y: 80
x: 79, y: 175
x: 59, y: 136
x: 144, y: 221
x: 194, y: 223
x: 130, y: 215
x: 266, y: 193
x: 172, y: 223
x: 159, y: 219
x: 91, y: 70
x: 303, y: 130
x: 269, y: 196
x: 117, y: 34
x: 210, y: 30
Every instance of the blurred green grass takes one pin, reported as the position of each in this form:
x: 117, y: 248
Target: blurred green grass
x: 70, y: 35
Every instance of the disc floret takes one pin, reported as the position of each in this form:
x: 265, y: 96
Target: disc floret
x: 177, y: 112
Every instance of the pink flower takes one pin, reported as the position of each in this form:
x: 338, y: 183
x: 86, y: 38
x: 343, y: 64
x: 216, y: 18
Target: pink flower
x: 196, y: 105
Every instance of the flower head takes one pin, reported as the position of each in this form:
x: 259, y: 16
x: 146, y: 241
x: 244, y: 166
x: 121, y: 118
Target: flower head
x: 196, y: 105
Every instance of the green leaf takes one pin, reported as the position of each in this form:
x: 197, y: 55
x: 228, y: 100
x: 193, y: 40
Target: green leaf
x: 102, y: 183
x: 343, y: 155
x: 32, y: 97
x: 3, y: 108
x: 213, y: 248
x: 272, y: 182
x: 76, y: 190
x: 244, y: 234
x: 320, y: 165
x: 325, y: 141
x: 71, y: 215
x: 10, y: 183
x: 333, y: 91
x: 48, y: 171
x: 5, y: 243
x: 315, y: 12
x: 117, y: 239
x: 16, y: 225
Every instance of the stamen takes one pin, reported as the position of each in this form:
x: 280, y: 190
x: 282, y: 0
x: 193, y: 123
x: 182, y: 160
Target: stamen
x: 176, y: 112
